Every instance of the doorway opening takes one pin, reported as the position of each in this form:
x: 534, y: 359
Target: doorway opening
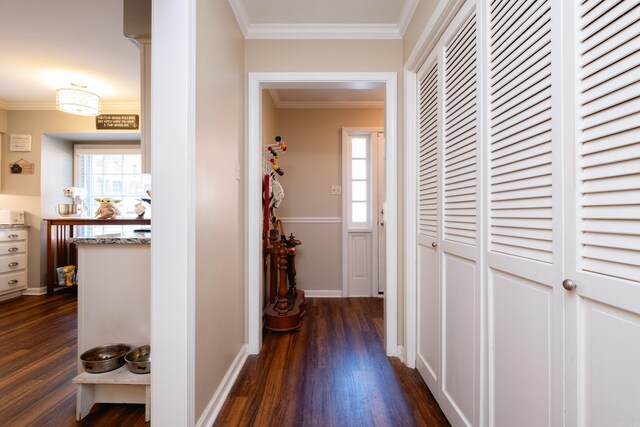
x: 256, y: 84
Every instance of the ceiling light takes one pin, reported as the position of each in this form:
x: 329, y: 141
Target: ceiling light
x: 78, y: 101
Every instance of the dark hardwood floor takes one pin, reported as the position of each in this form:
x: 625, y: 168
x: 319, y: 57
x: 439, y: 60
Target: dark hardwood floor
x: 38, y: 342
x: 333, y: 372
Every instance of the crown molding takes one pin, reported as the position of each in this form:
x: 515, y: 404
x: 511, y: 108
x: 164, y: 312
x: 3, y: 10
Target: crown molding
x: 316, y: 31
x: 48, y: 106
x: 241, y: 15
x: 406, y: 14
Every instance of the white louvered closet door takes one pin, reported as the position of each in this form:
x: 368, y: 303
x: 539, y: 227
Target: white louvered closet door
x: 604, y: 247
x: 428, y: 290
x: 459, y: 244
x: 525, y: 189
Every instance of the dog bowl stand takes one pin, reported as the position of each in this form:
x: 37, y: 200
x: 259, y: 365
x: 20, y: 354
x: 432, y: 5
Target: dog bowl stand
x: 113, y: 307
x: 118, y: 386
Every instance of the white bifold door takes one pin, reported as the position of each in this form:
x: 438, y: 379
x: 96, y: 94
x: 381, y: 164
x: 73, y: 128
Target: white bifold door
x: 448, y: 232
x: 528, y: 245
x: 603, y: 218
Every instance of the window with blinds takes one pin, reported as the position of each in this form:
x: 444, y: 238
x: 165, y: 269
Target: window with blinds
x: 609, y: 161
x: 428, y: 154
x: 460, y: 135
x: 520, y: 130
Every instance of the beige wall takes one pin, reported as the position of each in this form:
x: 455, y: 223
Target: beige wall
x: 23, y: 192
x: 323, y: 55
x: 219, y: 299
x: 3, y: 121
x: 416, y: 27
x: 312, y: 163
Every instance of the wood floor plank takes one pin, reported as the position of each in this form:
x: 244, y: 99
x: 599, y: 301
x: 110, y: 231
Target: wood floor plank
x: 333, y: 372
x: 38, y: 353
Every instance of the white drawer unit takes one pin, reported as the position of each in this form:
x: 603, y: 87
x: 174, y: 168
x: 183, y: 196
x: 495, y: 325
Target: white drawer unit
x: 13, y: 261
x: 11, y: 234
x: 13, y: 281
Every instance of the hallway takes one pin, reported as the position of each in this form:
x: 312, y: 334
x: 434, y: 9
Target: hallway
x: 332, y: 373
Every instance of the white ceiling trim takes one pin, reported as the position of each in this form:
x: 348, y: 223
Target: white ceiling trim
x: 329, y: 31
x: 241, y: 15
x: 406, y: 14
x: 46, y: 106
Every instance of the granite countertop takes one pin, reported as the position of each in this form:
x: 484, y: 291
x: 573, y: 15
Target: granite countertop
x: 14, y: 226
x: 124, y: 238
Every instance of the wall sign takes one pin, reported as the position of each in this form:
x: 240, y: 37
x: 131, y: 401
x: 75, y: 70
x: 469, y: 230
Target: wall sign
x: 19, y: 142
x: 21, y: 167
x: 118, y: 121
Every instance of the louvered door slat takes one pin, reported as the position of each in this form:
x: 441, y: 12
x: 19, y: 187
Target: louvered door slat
x: 521, y: 155
x: 528, y: 25
x: 428, y: 158
x: 460, y: 137
x: 609, y: 150
x: 596, y: 19
x: 612, y: 29
x: 522, y: 59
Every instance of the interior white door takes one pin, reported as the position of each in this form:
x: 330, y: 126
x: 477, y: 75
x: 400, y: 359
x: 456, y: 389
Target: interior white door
x: 428, y: 216
x: 459, y: 240
x: 604, y: 244
x: 525, y: 325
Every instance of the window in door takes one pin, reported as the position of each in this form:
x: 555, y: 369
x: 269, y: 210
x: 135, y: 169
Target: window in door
x: 360, y: 181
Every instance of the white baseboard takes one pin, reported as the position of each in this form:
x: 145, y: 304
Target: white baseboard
x: 215, y: 404
x: 323, y: 294
x: 401, y: 354
x: 35, y: 291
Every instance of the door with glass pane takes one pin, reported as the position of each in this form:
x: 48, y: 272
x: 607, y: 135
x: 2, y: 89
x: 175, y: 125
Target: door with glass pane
x: 360, y: 212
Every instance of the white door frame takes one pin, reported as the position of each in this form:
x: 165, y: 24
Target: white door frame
x: 274, y: 80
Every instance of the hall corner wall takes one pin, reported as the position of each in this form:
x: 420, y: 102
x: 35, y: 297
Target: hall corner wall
x: 219, y: 201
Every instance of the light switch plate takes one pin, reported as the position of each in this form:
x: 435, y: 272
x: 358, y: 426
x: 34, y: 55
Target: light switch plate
x: 237, y: 171
x: 336, y: 190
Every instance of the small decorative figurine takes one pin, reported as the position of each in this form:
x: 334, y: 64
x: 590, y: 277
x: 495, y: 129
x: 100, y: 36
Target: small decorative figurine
x: 107, y: 208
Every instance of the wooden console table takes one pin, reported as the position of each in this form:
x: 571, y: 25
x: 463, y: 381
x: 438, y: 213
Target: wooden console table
x: 60, y: 229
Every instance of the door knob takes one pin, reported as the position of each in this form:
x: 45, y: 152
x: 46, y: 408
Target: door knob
x: 434, y: 244
x: 569, y: 284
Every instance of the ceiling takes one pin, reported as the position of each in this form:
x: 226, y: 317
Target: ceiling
x: 47, y: 45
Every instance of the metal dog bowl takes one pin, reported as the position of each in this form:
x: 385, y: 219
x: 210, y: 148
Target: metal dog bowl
x: 104, y: 358
x: 139, y: 360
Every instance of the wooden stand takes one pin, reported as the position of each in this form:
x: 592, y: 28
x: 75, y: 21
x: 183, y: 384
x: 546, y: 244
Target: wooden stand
x: 286, y: 304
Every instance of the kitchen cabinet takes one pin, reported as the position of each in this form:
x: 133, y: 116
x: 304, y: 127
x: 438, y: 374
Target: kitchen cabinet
x: 114, y: 294
x: 13, y: 260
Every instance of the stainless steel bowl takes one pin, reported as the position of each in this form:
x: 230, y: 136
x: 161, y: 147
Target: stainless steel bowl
x: 104, y: 358
x: 68, y: 209
x: 139, y: 360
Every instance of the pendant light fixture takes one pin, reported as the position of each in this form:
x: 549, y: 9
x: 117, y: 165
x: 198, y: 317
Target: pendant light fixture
x: 77, y: 100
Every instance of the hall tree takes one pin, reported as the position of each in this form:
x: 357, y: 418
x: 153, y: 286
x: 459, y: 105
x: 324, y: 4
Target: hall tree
x: 527, y: 213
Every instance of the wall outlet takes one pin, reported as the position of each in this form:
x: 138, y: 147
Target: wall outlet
x: 336, y: 190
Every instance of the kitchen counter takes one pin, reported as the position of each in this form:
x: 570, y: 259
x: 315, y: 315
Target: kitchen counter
x: 125, y: 238
x: 61, y: 229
